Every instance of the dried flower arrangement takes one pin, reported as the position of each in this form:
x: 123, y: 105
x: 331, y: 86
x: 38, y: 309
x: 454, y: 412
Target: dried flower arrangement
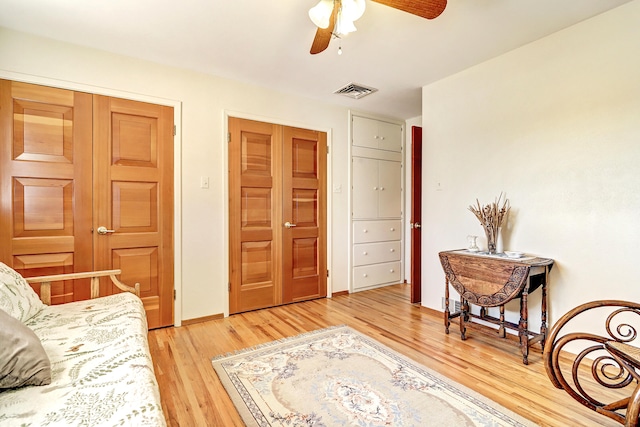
x: 491, y: 218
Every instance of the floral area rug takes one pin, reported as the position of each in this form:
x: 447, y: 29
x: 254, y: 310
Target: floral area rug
x: 338, y: 377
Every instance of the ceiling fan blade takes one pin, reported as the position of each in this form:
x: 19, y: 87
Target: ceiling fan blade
x: 321, y: 40
x: 425, y: 8
x: 323, y: 35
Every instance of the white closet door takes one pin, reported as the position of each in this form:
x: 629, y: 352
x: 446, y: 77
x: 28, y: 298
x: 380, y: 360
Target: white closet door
x: 365, y: 132
x: 389, y: 136
x: 389, y: 189
x: 365, y: 188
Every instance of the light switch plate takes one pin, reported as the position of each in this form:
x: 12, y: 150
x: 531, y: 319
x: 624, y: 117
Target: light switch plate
x: 204, y: 182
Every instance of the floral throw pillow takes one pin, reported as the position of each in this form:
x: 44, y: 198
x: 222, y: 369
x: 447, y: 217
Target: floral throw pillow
x: 17, y: 298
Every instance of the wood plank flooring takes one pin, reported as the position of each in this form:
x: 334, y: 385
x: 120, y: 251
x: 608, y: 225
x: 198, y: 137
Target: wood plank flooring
x: 192, y: 395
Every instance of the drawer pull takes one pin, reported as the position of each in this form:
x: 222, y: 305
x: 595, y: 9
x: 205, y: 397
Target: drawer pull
x: 392, y: 229
x: 392, y: 250
x: 365, y: 231
x: 365, y: 253
x: 375, y: 188
x: 391, y: 270
x: 365, y: 275
x: 381, y: 188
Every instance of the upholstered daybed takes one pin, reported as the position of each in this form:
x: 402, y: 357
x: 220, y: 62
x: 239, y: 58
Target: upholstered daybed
x: 88, y: 363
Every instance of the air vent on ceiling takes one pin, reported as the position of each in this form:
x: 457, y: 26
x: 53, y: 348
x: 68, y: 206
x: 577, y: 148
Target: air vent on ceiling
x: 355, y: 90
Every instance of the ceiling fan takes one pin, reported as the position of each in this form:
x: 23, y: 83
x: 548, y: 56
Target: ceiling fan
x: 336, y: 17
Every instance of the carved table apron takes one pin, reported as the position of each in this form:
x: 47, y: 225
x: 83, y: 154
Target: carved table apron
x: 492, y: 281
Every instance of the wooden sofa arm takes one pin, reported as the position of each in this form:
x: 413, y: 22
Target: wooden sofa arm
x: 45, y: 283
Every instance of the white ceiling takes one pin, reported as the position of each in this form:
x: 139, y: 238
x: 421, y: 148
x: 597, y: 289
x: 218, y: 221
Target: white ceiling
x: 266, y: 42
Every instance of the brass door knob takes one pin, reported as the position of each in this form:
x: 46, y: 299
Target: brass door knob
x: 103, y: 230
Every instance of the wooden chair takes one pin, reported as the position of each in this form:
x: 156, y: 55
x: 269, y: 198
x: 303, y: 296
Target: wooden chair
x: 604, y: 376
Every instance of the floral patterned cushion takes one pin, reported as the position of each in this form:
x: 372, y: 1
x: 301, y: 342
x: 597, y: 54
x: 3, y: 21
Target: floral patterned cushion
x: 17, y: 297
x: 101, y: 368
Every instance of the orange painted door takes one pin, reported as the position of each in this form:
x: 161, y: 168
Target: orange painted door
x: 133, y: 200
x: 45, y: 184
x: 71, y: 162
x: 277, y: 215
x: 304, y: 209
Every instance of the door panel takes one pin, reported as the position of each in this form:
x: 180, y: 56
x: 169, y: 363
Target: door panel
x: 416, y: 214
x: 133, y: 199
x: 364, y: 188
x: 389, y: 189
x: 276, y: 175
x: 390, y: 136
x: 254, y: 222
x: 45, y: 184
x: 304, y: 204
x: 365, y: 132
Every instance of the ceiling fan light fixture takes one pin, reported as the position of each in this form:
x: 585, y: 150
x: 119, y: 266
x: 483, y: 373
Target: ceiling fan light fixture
x: 352, y: 9
x: 320, y: 14
x: 344, y: 26
x: 335, y: 18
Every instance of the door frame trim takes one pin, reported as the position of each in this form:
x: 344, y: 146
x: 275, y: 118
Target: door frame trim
x: 177, y: 160
x: 226, y: 113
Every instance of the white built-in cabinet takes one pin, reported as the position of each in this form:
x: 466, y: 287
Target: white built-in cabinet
x: 376, y: 202
x: 376, y: 188
x: 378, y: 134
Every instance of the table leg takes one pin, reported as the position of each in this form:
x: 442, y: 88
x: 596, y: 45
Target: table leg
x: 523, y: 327
x: 543, y: 327
x: 501, y: 330
x: 447, y: 318
x: 464, y: 317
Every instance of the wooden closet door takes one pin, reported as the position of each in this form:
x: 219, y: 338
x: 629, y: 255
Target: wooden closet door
x: 277, y: 215
x: 71, y: 162
x: 45, y: 184
x: 133, y: 200
x: 254, y: 215
x: 304, y: 214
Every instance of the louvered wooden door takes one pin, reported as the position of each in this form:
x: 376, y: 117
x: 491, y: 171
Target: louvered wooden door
x: 71, y: 162
x: 277, y: 215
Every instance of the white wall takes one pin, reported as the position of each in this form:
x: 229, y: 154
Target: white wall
x: 556, y: 126
x: 204, y: 100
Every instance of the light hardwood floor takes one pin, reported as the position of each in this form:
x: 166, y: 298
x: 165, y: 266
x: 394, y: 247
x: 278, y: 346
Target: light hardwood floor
x: 192, y: 395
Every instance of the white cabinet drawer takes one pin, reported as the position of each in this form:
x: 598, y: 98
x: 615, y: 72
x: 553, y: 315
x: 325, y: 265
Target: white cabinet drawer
x: 376, y: 231
x: 373, y: 253
x: 376, y: 274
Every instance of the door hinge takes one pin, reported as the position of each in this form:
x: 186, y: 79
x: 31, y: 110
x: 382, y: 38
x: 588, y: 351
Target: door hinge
x: 175, y: 131
x: 174, y: 294
x: 228, y: 137
x: 327, y: 149
x: 327, y: 273
x: 229, y: 286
